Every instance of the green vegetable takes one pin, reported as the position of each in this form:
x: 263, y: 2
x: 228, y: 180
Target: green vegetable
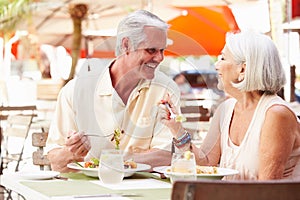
x: 117, y: 137
x: 95, y: 161
x: 77, y: 163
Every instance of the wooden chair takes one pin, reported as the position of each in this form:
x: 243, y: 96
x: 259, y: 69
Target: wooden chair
x: 195, y: 113
x: 17, y: 126
x: 246, y: 190
x: 197, y: 121
x: 39, y: 140
x: 5, y: 111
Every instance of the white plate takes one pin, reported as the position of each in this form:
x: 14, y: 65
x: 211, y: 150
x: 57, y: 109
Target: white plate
x: 221, y: 172
x: 94, y: 171
x: 37, y: 175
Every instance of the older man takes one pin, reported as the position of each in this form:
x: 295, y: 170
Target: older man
x: 121, y: 95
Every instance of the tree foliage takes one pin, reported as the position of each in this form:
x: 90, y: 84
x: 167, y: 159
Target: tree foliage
x: 12, y: 12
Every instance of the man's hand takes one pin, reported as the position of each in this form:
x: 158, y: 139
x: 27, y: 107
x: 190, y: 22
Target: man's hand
x: 76, y: 148
x: 78, y: 144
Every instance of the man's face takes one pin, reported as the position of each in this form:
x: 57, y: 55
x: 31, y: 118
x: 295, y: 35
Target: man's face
x: 149, y: 53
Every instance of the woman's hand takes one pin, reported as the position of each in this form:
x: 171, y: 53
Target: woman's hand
x: 164, y: 115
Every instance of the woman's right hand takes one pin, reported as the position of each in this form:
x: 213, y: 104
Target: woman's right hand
x: 164, y: 115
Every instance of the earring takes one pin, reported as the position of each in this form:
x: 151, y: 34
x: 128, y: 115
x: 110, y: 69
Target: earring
x: 240, y: 78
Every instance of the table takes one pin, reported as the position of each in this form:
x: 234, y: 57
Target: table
x: 80, y: 184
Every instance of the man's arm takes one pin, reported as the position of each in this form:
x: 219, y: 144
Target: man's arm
x: 152, y: 157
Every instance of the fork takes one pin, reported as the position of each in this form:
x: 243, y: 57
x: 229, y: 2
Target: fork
x: 173, y: 115
x: 92, y: 135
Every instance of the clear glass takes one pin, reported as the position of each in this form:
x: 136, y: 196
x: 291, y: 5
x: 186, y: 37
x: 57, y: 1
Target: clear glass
x: 183, y: 166
x: 111, y: 166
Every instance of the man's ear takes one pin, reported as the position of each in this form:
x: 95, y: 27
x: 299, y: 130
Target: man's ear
x: 125, y: 44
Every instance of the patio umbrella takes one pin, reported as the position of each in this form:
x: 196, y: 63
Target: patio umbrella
x: 197, y: 31
x: 51, y: 23
x: 193, y: 31
x: 200, y: 30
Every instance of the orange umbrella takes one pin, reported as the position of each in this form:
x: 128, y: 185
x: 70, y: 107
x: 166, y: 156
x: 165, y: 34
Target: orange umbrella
x: 200, y: 30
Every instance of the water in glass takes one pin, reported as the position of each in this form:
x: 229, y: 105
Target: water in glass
x: 111, y: 166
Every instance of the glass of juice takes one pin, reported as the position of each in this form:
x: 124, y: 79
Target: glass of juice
x: 183, y: 166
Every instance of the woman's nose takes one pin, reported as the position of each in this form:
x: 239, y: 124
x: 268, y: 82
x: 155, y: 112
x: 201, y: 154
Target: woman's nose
x: 217, y: 64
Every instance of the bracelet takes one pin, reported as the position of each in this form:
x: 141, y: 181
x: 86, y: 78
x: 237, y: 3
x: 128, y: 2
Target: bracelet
x: 182, y: 136
x: 186, y: 138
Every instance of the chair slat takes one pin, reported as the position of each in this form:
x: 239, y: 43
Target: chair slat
x: 17, y: 108
x: 19, y: 119
x: 195, y: 113
x: 39, y: 159
x: 39, y: 139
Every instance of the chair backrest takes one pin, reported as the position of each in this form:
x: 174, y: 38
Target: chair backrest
x: 5, y: 111
x: 17, y: 119
x: 15, y: 122
x: 38, y: 158
x: 246, y: 190
x: 18, y: 125
x: 195, y: 113
x: 197, y: 121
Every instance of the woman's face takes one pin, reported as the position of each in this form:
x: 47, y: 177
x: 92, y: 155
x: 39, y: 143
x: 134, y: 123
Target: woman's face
x: 228, y: 70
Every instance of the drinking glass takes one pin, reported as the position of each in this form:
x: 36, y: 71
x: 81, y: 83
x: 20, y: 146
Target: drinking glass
x: 111, y: 166
x: 183, y: 166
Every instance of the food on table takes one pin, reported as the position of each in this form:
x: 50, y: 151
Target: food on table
x: 130, y: 164
x: 206, y: 170
x: 201, y: 170
x: 94, y: 163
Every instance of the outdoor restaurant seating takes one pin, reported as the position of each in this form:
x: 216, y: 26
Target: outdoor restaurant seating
x: 15, y: 123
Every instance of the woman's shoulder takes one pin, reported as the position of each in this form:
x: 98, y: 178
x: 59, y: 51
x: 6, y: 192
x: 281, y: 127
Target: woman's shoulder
x: 281, y: 111
x: 279, y: 107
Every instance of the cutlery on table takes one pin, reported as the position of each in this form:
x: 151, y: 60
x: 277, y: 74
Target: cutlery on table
x: 107, y: 195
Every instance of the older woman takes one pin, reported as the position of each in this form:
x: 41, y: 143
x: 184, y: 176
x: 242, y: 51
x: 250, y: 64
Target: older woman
x: 254, y: 131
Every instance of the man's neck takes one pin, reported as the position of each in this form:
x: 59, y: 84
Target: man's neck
x: 122, y: 80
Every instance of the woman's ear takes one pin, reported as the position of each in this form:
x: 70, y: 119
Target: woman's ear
x: 242, y: 72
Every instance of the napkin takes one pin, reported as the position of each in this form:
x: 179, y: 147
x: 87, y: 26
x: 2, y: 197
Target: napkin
x: 129, y: 184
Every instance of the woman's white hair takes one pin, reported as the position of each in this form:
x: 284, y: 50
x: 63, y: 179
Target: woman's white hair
x: 132, y: 27
x: 264, y: 71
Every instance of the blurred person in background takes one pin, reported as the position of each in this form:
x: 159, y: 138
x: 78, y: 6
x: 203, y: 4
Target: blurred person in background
x: 183, y: 84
